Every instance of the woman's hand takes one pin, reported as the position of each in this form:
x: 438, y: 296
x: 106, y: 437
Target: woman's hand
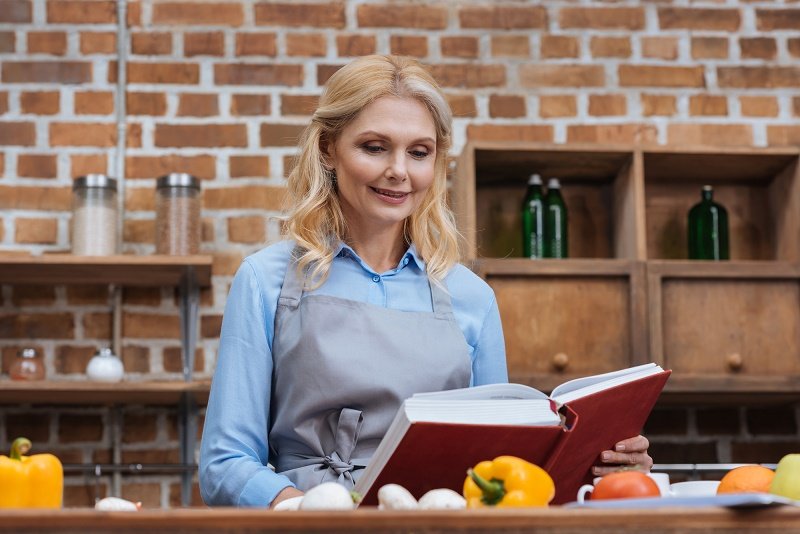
x: 285, y: 493
x: 628, y: 452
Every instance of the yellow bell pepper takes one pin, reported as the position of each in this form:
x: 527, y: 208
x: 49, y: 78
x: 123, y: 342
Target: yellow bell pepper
x: 35, y: 481
x: 508, y: 481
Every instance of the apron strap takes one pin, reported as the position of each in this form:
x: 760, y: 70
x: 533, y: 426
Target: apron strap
x: 442, y: 305
x: 292, y: 288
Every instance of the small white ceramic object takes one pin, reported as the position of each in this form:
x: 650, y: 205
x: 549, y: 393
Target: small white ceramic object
x: 105, y: 367
x: 694, y: 488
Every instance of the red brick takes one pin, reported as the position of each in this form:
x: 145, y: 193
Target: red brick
x: 783, y: 135
x: 709, y: 48
x: 460, y: 46
x: 248, y: 166
x: 607, y: 105
x: 98, y: 43
x: 497, y: 132
x: 658, y: 105
x: 198, y: 105
x: 134, y: 15
x: 33, y: 296
x: 777, y: 19
x: 299, y: 104
x: 796, y: 106
x: 507, y: 106
x: 83, y: 164
x: 628, y: 18
x: 427, y: 17
x: 203, y: 167
x: 68, y: 72
x: 17, y: 133
x: 462, y: 105
x: 203, y: 44
x: 145, y: 103
x: 793, y: 45
x: 173, y: 360
x: 559, y: 46
x: 306, y: 45
x: 136, y: 359
x: 612, y: 133
x: 94, y: 103
x: 71, y: 359
x: 141, y: 72
x: 533, y: 76
x: 469, y: 75
x: 82, y: 134
x: 409, y: 45
x: 281, y: 134
x: 3, y: 104
x: 758, y: 77
x: 250, y: 105
x: 139, y: 428
x: 318, y: 15
x: 81, y: 11
x: 710, y: 134
x: 87, y: 294
x: 139, y: 231
x: 503, y: 17
x: 16, y: 11
x: 40, y: 103
x: 200, y: 135
x: 35, y: 198
x: 151, y: 43
x: 97, y: 325
x: 660, y: 47
x: 660, y: 76
x: 758, y: 48
x: 76, y: 428
x: 619, y: 47
x: 34, y: 426
x: 8, y: 42
x: 198, y: 13
x: 240, y: 198
x: 256, y: 44
x: 355, y: 45
x: 53, y: 43
x: 708, y: 105
x: 679, y: 18
x: 510, y: 46
x: 18, y: 325
x: 557, y: 106
x: 37, y: 166
x: 761, y: 451
x: 243, y: 230
x: 146, y: 325
x: 241, y: 74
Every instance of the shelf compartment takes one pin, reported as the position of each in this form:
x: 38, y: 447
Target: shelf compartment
x: 568, y: 318
x: 600, y: 185
x: 123, y: 269
x: 723, y: 325
x: 760, y: 190
x: 66, y: 392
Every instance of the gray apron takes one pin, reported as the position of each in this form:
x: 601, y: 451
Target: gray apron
x: 341, y: 370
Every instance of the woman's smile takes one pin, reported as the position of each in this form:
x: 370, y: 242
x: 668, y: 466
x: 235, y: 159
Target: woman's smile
x: 392, y: 197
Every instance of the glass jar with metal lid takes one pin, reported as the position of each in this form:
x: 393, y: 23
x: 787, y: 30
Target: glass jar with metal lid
x: 94, y: 215
x: 178, y: 214
x: 27, y: 366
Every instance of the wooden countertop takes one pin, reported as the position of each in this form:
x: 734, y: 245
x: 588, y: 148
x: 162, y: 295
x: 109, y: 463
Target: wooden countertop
x: 552, y: 520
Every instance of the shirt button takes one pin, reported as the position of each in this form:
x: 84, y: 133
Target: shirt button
x: 376, y: 278
x: 405, y: 261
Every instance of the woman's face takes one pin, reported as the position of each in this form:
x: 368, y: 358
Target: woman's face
x: 384, y: 163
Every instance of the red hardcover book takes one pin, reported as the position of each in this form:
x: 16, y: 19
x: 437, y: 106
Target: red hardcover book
x: 436, y: 437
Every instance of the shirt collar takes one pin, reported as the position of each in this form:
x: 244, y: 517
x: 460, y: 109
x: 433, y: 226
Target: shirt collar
x: 411, y: 254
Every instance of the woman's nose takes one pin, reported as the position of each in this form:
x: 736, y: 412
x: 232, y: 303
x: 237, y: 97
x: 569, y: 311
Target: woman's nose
x: 397, y: 169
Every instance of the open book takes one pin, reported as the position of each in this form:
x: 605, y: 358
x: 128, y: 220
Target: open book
x: 436, y: 437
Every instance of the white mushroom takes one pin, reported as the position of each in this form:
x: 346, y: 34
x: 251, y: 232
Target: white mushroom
x: 395, y: 497
x: 327, y: 496
x: 115, y: 504
x: 292, y: 503
x: 442, y: 499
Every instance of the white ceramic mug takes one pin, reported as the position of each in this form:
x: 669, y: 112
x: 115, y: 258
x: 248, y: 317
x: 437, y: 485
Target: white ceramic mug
x: 661, y: 480
x: 694, y: 488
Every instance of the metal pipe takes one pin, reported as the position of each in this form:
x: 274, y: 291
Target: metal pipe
x: 101, y: 469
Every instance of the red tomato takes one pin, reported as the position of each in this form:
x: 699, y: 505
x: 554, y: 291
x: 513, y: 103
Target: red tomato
x: 625, y: 485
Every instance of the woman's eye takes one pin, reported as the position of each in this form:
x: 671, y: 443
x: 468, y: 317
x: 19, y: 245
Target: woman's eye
x: 419, y: 154
x: 373, y: 149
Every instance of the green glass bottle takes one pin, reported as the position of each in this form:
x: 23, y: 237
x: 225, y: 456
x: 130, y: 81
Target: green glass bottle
x: 708, y: 229
x: 555, y: 222
x: 533, y: 219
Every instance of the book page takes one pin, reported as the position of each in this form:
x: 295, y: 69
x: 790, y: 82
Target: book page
x: 482, y: 412
x: 581, y: 387
x: 485, y: 392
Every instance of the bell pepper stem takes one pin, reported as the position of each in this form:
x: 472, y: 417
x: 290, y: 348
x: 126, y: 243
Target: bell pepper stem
x: 19, y: 447
x: 493, y: 490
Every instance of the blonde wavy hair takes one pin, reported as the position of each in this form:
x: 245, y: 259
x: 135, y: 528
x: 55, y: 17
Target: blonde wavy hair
x: 315, y: 220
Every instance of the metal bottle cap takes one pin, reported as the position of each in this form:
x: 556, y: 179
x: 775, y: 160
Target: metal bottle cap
x: 95, y: 181
x: 178, y: 179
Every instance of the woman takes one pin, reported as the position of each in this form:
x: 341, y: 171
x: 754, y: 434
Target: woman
x: 325, y: 335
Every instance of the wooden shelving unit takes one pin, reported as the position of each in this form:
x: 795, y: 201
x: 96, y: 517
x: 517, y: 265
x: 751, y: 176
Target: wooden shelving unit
x: 66, y: 392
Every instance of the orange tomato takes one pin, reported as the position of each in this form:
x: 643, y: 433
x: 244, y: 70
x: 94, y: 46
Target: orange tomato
x: 625, y: 485
x: 747, y: 478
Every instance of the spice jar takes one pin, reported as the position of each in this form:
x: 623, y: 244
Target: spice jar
x: 178, y: 214
x: 105, y: 367
x: 94, y: 215
x: 27, y: 366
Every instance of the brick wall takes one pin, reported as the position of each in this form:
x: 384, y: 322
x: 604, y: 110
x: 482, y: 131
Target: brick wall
x: 221, y: 89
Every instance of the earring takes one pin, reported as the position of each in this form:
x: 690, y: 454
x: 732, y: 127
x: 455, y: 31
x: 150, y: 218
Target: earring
x: 332, y: 175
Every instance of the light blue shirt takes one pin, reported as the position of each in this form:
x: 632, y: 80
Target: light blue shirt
x: 234, y: 451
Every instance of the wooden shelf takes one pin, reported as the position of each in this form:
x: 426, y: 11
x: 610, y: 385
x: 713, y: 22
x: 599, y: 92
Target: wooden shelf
x: 735, y: 269
x: 99, y: 393
x: 577, y: 267
x: 125, y: 269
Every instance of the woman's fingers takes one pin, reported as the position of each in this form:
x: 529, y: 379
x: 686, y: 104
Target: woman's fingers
x: 634, y: 444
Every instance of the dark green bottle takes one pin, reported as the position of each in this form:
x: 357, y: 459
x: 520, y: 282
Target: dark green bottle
x: 708, y: 229
x: 555, y: 222
x: 533, y: 219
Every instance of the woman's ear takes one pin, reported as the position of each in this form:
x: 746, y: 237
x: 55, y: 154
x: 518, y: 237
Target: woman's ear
x: 326, y: 153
